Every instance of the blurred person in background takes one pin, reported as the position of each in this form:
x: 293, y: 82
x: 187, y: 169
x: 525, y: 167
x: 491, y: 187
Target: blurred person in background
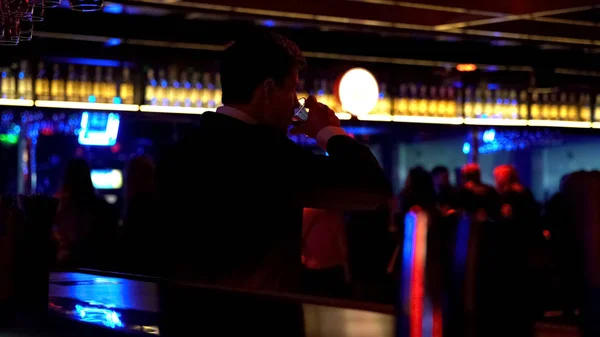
x: 517, y: 202
x: 477, y: 197
x: 421, y: 257
x: 85, y: 225
x: 419, y: 190
x: 141, y: 217
x: 567, y: 252
x: 233, y: 192
x: 446, y: 194
x: 522, y: 230
x: 325, y: 253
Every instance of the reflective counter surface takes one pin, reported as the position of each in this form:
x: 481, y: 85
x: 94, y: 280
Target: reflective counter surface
x: 128, y: 305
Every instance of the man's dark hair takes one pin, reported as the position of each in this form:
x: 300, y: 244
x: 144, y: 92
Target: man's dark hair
x: 254, y: 58
x: 438, y: 170
x: 471, y: 173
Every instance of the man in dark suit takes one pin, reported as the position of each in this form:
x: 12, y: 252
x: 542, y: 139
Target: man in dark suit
x: 234, y: 190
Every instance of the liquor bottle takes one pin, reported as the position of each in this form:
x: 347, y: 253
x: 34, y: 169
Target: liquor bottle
x: 173, y: 87
x: 488, y: 106
x: 443, y: 101
x: 535, y: 106
x: 572, y: 111
x: 384, y: 105
x: 72, y: 85
x: 318, y: 91
x: 597, y: 108
x: 57, y: 86
x: 25, y: 83
x: 453, y: 103
x: 184, y: 89
x: 150, y: 91
x: 336, y: 105
x: 4, y: 85
x: 97, y: 87
x: 498, y: 103
x: 323, y: 93
x: 585, y: 111
x: 14, y: 72
x: 301, y: 89
x: 401, y: 102
x: 85, y: 85
x: 469, y: 105
x: 513, y: 104
x: 553, y: 107
x: 126, y: 87
x: 161, y: 89
x: 42, y: 84
x: 110, y: 87
x: 478, y: 107
x: 563, y: 110
x: 433, y: 103
x: 523, y: 110
x: 218, y: 90
x: 208, y: 91
x: 545, y: 103
x: 413, y: 103
x: 501, y: 108
x: 7, y: 83
x: 196, y: 91
x: 423, y: 101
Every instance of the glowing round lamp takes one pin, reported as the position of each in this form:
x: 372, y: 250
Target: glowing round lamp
x: 358, y: 91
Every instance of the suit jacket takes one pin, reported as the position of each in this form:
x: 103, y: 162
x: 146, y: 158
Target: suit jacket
x: 233, y: 195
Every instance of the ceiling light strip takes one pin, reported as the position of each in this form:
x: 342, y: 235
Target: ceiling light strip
x: 86, y: 106
x: 377, y: 23
x: 431, y: 7
x: 495, y: 122
x: 16, y: 102
x: 175, y: 109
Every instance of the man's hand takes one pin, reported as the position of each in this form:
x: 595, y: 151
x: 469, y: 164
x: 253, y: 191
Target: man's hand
x: 319, y: 117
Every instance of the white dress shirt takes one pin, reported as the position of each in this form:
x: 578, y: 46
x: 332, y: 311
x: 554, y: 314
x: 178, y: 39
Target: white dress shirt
x: 322, y: 138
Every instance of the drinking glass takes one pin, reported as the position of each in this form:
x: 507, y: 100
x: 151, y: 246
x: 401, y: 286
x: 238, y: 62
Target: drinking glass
x: 301, y: 112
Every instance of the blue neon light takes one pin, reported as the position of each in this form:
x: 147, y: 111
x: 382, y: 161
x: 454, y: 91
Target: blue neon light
x: 113, y: 41
x: 107, y: 317
x: 112, y: 8
x: 92, y: 99
x: 489, y: 136
x: 269, y: 23
x: 88, y: 61
x: 99, y: 129
x: 466, y: 148
x: 408, y: 252
x: 117, y: 100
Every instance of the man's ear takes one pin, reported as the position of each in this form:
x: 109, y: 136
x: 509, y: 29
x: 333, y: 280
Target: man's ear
x: 269, y: 89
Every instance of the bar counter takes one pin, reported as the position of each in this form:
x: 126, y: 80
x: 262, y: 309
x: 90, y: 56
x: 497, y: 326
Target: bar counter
x: 88, y: 302
x: 95, y: 303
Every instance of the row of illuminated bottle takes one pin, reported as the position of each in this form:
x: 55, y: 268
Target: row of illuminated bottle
x: 563, y: 106
x: 448, y: 101
x: 188, y: 88
x: 422, y: 100
x: 412, y: 99
x: 74, y: 83
x: 16, y: 82
x: 182, y: 88
x: 500, y: 103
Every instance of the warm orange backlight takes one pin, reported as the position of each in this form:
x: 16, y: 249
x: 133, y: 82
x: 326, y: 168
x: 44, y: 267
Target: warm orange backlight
x: 466, y: 67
